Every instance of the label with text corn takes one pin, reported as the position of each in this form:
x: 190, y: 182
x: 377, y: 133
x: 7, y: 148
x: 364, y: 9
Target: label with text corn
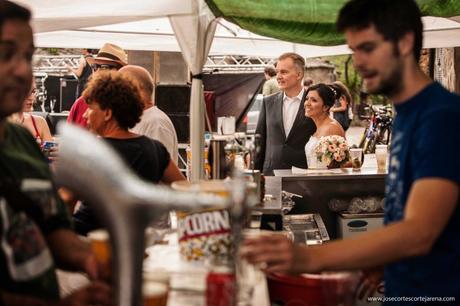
x: 204, y: 234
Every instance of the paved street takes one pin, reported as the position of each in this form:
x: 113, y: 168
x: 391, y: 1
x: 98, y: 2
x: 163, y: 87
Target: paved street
x: 353, y: 135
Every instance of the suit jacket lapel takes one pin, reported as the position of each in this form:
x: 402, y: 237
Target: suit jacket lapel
x: 279, y: 113
x: 299, y: 116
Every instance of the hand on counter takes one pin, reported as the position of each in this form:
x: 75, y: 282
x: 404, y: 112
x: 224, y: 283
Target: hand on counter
x: 274, y: 252
x: 370, y: 282
x: 97, y: 293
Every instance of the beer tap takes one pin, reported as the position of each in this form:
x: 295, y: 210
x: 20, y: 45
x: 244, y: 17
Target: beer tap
x: 125, y: 204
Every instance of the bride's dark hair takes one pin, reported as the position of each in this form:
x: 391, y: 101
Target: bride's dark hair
x: 326, y: 92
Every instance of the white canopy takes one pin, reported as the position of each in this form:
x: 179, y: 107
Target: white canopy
x: 144, y: 25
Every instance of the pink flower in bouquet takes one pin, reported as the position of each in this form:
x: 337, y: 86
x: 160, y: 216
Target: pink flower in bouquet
x: 337, y: 157
x: 333, y: 151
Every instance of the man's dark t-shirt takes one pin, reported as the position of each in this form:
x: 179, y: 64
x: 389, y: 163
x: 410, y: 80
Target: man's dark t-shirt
x: 29, y: 210
x: 425, y: 144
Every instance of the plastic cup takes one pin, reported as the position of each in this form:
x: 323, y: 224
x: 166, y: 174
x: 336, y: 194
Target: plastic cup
x: 255, y: 219
x: 356, y: 155
x: 381, y: 155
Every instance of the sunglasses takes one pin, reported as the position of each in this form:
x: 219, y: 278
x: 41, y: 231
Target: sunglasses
x: 103, y: 67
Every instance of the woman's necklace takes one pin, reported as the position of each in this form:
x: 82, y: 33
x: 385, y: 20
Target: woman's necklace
x: 21, y: 119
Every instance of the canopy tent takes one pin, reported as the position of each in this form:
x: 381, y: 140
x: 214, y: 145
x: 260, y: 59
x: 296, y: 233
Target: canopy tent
x: 304, y: 22
x: 142, y: 25
x: 137, y: 25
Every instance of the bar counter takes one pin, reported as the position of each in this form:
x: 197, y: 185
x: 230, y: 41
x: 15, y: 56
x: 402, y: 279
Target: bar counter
x: 318, y: 188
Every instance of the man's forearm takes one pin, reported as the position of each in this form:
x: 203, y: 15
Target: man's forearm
x: 9, y: 299
x: 407, y: 238
x: 69, y: 251
x: 373, y: 249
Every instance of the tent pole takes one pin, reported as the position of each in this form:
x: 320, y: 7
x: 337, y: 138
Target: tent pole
x: 197, y: 130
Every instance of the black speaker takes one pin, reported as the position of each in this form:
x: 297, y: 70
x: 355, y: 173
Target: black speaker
x: 68, y: 89
x: 62, y: 90
x: 173, y: 99
x: 181, y: 123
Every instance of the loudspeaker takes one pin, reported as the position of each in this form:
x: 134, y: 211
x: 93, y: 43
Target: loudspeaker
x: 173, y: 99
x: 181, y: 123
x: 68, y: 92
x: 62, y: 90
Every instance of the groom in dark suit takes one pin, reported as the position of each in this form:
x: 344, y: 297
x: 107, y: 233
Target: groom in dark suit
x: 282, y: 124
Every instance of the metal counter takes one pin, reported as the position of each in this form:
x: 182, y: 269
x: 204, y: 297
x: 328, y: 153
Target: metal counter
x: 317, y: 189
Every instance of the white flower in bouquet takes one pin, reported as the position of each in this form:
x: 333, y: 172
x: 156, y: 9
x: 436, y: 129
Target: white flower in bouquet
x: 332, y: 151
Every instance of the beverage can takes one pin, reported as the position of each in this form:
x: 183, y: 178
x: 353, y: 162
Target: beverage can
x: 220, y: 287
x: 47, y: 145
x: 46, y: 148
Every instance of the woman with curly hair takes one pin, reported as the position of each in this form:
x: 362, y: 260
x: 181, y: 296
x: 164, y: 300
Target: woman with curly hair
x: 114, y: 107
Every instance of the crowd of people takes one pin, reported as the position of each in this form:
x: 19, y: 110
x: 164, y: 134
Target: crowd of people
x: 416, y: 249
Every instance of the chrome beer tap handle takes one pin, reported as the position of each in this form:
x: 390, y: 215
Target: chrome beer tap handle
x: 124, y: 203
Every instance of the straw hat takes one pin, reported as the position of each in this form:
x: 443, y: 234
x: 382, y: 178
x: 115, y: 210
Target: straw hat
x: 110, y: 53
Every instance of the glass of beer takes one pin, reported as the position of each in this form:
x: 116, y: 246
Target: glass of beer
x: 356, y: 155
x: 155, y: 294
x: 100, y: 244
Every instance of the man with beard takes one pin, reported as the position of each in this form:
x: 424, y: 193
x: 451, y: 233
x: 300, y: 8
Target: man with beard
x: 35, y: 229
x: 418, y: 246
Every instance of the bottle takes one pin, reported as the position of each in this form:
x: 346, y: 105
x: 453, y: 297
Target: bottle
x: 262, y: 188
x: 207, y: 165
x: 356, y: 206
x: 188, y: 152
x: 338, y: 205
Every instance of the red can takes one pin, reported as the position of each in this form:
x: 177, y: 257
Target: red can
x: 220, y: 287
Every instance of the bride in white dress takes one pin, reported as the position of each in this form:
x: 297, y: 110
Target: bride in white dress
x: 320, y: 98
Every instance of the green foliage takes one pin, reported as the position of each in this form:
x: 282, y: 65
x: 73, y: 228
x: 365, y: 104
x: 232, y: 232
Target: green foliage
x: 304, y: 21
x: 347, y: 74
x: 52, y: 51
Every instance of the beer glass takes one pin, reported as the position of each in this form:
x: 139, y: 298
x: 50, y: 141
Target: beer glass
x: 100, y: 245
x: 155, y: 294
x: 356, y: 155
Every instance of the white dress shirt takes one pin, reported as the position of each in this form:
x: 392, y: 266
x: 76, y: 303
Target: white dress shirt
x: 290, y: 109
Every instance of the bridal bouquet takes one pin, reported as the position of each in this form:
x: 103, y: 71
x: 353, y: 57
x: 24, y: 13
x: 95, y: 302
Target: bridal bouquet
x: 332, y: 151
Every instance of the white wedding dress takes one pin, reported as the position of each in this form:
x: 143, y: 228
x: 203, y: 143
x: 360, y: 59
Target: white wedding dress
x: 312, y: 160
